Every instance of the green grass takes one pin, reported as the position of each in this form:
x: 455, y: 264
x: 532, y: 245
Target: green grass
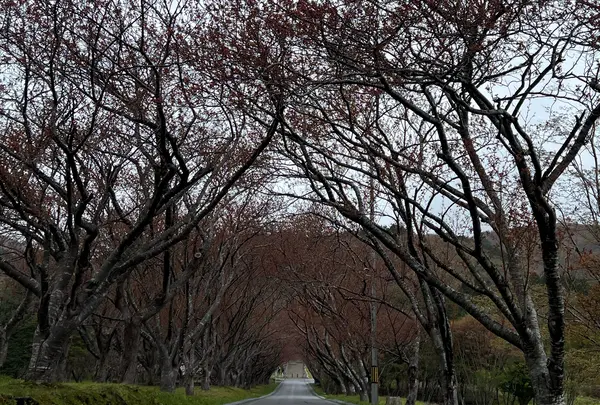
x: 587, y: 401
x: 120, y: 394
x: 355, y: 399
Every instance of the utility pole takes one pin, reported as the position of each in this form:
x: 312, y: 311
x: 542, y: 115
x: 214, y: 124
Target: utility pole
x: 374, y: 357
x: 374, y: 360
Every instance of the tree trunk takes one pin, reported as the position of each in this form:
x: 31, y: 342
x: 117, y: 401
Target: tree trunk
x: 349, y: 387
x: 441, y: 337
x: 548, y: 388
x: 448, y: 378
x: 189, y: 383
x: 101, y: 373
x: 450, y: 387
x: 363, y: 396
x: 168, y: 375
x: 540, y: 379
x: 237, y: 378
x: 413, y: 372
x: 131, y: 345
x: 189, y: 363
x: 206, y: 378
x: 223, y: 375
x: 104, y: 343
x: 549, y: 376
x: 48, y: 356
x: 363, y: 380
x: 3, y: 346
x: 341, y: 385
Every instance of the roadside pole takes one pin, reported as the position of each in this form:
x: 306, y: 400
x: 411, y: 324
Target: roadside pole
x: 374, y: 357
x: 374, y: 360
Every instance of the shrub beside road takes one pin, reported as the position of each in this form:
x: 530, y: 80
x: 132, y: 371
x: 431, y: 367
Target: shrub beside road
x: 121, y: 394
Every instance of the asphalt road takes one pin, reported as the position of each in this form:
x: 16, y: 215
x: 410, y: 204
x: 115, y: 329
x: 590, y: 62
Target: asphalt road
x: 292, y: 392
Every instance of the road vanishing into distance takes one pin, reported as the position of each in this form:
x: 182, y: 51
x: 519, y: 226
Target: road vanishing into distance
x: 292, y: 392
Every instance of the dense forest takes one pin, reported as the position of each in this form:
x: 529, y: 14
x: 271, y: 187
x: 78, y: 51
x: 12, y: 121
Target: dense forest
x: 192, y: 193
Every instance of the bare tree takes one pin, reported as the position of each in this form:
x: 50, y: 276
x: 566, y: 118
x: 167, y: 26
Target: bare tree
x: 327, y: 272
x: 110, y: 125
x: 442, y: 105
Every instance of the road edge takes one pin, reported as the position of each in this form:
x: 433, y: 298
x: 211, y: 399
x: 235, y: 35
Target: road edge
x: 310, y: 387
x: 335, y: 401
x: 249, y: 400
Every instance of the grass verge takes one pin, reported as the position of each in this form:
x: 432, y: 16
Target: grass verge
x: 587, y: 401
x: 119, y: 394
x: 355, y: 399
